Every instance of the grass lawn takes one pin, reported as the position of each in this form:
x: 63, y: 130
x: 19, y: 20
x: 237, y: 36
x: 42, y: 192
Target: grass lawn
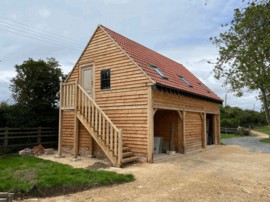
x: 263, y: 129
x: 29, y: 176
x: 265, y: 140
x: 226, y: 136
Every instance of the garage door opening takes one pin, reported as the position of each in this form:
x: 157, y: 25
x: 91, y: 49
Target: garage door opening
x: 167, y: 133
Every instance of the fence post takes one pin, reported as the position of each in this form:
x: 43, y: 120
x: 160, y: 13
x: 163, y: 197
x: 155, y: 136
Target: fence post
x: 6, y: 137
x: 39, y: 135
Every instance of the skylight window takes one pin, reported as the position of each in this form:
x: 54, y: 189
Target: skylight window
x: 159, y: 72
x: 204, y: 87
x: 185, y: 81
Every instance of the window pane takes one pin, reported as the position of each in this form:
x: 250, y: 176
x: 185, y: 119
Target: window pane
x: 105, y: 79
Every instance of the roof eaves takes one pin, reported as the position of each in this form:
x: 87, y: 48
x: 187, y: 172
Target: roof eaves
x: 220, y: 101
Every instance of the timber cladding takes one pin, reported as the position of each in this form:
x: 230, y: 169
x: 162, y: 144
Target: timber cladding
x: 175, y: 101
x: 193, y: 132
x: 67, y: 128
x: 125, y: 103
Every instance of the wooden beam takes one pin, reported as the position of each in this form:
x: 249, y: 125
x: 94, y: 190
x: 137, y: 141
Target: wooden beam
x: 91, y: 147
x: 158, y: 106
x: 150, y: 152
x: 214, y: 129
x: 218, y: 129
x: 183, y: 108
x: 120, y: 149
x: 60, y: 123
x: 184, y: 132
x: 154, y: 111
x: 180, y: 114
x: 201, y: 114
x: 204, y: 131
x: 76, y: 123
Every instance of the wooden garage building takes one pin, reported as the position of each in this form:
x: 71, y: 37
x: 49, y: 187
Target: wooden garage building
x: 121, y: 96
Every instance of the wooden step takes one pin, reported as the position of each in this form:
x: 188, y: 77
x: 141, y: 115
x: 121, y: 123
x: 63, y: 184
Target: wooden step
x: 126, y: 154
x: 129, y: 159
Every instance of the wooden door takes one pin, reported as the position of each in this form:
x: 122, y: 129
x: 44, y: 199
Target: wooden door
x: 87, y: 80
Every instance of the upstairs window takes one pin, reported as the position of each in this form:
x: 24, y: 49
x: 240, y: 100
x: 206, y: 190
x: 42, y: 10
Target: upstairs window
x: 105, y: 79
x: 159, y: 72
x: 185, y: 81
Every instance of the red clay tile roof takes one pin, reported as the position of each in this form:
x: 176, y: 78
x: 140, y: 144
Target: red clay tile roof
x: 145, y: 57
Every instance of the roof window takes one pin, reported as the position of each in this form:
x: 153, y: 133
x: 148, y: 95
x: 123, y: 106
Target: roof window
x: 204, y: 87
x: 159, y: 72
x: 185, y: 81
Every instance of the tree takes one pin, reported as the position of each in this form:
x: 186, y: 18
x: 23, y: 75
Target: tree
x: 35, y: 89
x: 244, y: 52
x: 234, y: 117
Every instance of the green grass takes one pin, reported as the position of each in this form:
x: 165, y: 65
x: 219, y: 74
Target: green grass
x: 265, y: 140
x: 21, y: 174
x: 226, y: 136
x: 263, y: 129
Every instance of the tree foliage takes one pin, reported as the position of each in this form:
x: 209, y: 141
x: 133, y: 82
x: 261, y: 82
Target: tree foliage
x: 34, y: 90
x: 234, y: 117
x: 244, y: 52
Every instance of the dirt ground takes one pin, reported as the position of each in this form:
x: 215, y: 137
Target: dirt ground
x: 222, y: 173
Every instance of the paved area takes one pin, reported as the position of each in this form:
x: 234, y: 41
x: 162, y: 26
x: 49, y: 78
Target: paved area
x: 251, y: 143
x: 222, y: 173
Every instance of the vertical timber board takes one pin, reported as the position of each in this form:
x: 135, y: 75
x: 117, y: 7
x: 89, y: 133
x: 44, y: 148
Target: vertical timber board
x: 214, y: 129
x: 184, y: 132
x: 218, y: 129
x: 180, y: 132
x: 60, y: 122
x: 76, y: 123
x: 150, y: 122
x: 204, y: 131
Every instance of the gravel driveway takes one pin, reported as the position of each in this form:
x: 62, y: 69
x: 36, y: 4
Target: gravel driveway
x: 220, y: 173
x: 251, y: 143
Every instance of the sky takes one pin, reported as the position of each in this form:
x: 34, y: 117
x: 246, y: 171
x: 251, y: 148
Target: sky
x: 177, y: 29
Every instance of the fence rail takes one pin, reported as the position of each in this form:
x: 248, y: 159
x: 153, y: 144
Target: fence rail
x: 24, y: 137
x: 228, y: 130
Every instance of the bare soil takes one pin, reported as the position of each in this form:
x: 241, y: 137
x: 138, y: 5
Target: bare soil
x: 222, y: 173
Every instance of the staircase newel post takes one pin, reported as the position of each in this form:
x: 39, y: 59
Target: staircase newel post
x: 76, y: 123
x: 120, y: 147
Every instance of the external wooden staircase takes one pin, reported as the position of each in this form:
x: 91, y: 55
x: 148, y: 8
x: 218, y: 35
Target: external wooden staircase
x: 96, y: 122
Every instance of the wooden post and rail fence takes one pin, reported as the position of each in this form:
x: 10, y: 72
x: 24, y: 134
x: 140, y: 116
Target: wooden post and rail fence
x: 26, y: 137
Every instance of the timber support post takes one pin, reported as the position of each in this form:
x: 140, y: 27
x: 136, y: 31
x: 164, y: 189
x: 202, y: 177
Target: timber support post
x: 76, y: 123
x: 120, y: 148
x: 184, y: 131
x: 60, y: 122
x: 204, y: 131
x: 150, y: 152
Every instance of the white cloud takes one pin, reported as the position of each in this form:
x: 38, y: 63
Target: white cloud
x: 6, y: 75
x: 44, y: 13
